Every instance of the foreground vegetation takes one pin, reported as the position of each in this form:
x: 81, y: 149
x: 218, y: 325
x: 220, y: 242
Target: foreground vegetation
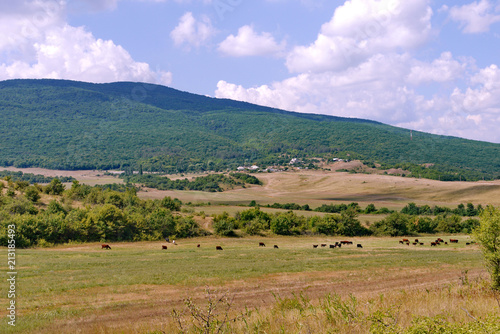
x: 106, y: 126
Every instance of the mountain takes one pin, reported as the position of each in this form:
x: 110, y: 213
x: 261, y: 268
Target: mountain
x: 62, y: 124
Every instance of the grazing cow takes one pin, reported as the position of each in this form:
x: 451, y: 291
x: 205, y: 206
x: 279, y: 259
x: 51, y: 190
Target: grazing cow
x: 198, y: 245
x: 407, y: 243
x: 440, y: 240
x: 261, y: 244
x: 104, y: 246
x: 401, y: 242
x: 434, y: 243
x: 467, y: 243
x: 332, y: 246
x: 454, y: 241
x: 421, y: 243
x: 315, y: 246
x: 218, y: 247
x: 359, y: 246
x: 416, y: 240
x: 339, y: 245
x: 414, y: 243
x: 345, y: 242
x: 163, y: 247
x: 276, y: 246
x: 323, y: 245
x: 406, y: 240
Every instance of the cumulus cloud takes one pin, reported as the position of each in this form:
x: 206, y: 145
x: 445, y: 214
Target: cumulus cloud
x: 443, y: 69
x: 250, y: 43
x: 36, y: 42
x: 360, y: 29
x: 476, y: 17
x: 191, y: 32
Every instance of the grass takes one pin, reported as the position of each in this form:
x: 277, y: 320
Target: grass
x: 69, y: 284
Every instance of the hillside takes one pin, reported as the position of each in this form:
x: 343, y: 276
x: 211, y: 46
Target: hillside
x: 61, y: 124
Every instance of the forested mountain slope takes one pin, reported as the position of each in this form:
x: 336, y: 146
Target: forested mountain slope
x: 63, y: 124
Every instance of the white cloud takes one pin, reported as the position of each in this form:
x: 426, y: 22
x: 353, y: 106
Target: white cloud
x: 443, y: 69
x: 476, y: 17
x: 362, y: 28
x: 250, y: 43
x: 36, y: 42
x: 191, y: 32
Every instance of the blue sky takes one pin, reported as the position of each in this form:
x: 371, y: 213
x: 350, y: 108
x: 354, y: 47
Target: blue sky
x: 424, y: 65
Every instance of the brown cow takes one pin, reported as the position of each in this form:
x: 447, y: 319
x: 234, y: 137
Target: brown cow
x: 439, y: 240
x: 421, y: 243
x: 454, y: 241
x: 406, y: 240
x: 414, y: 243
x: 434, y: 243
x: 105, y: 246
x: 163, y: 247
x: 198, y: 245
x: 261, y: 244
x: 276, y: 246
x: 218, y: 247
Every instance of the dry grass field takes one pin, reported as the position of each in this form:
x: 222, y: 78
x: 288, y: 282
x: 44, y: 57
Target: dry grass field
x: 321, y: 187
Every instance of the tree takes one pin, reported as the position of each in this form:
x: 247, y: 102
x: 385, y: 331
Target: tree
x: 32, y: 194
x: 488, y: 236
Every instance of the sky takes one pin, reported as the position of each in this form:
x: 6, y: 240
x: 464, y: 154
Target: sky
x: 425, y: 65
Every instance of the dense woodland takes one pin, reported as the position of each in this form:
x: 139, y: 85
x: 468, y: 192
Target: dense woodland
x: 61, y: 124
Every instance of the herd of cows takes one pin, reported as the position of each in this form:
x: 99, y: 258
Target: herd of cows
x: 261, y: 244
x: 436, y: 242
x: 339, y: 244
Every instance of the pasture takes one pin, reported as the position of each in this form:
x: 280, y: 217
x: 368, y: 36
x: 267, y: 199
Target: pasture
x: 133, y: 288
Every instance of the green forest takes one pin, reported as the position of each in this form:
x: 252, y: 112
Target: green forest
x: 70, y: 125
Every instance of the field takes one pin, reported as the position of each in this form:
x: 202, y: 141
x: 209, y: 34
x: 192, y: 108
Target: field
x: 134, y: 287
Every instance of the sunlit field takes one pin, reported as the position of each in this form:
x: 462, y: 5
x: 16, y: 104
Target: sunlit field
x: 134, y: 287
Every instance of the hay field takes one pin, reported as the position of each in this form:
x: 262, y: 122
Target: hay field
x: 321, y: 187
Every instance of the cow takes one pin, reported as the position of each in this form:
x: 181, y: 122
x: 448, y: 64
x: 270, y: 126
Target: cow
x: 445, y: 243
x: 467, y: 243
x: 105, y: 246
x: 218, y: 247
x: 416, y: 240
x: 434, y: 243
x: 439, y: 240
x: 454, y: 241
x: 163, y: 247
x: 276, y: 246
x: 421, y: 243
x: 359, y: 246
x: 401, y: 242
x: 406, y: 240
x: 332, y: 246
x: 198, y: 245
x: 414, y: 243
x: 261, y: 244
x: 315, y: 246
x: 323, y: 245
